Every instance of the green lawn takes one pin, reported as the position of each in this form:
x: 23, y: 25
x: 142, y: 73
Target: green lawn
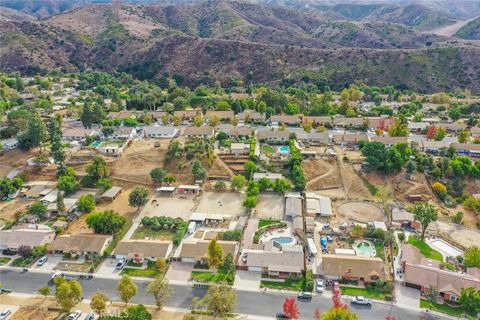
x: 289, y: 284
x: 425, y: 249
x: 151, y: 271
x: 268, y: 149
x: 366, y: 292
x: 4, y: 260
x: 146, y: 232
x: 443, y: 308
x: 379, y: 247
x: 23, y: 262
x: 266, y: 222
x: 205, y: 276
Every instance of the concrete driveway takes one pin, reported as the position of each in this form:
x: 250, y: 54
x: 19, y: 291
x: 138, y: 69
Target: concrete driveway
x: 407, y: 297
x: 51, y: 263
x: 179, y: 272
x: 247, y: 280
x: 107, y: 269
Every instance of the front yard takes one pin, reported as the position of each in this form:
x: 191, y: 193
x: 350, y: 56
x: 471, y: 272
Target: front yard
x: 425, y: 249
x: 288, y: 284
x: 206, y: 276
x: 4, y: 260
x: 366, y: 292
x: 444, y: 308
x: 23, y: 262
x: 150, y: 271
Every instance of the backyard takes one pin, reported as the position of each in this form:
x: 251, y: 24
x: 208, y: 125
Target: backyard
x: 147, y: 232
x: 266, y: 222
x: 425, y: 249
x: 380, y: 249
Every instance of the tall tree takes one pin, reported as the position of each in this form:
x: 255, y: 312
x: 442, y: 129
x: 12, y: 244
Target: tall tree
x: 425, y: 213
x: 60, y: 203
x: 68, y: 293
x: 35, y: 134
x: 126, y: 289
x: 472, y: 257
x: 220, y: 300
x: 290, y: 308
x: 138, y: 197
x: 470, y: 300
x: 158, y: 175
x: 98, y: 303
x: 87, y: 115
x: 215, y: 254
x: 106, y: 222
x: 160, y: 289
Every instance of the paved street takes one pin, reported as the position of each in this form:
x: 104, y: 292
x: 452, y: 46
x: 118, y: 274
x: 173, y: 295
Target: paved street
x: 248, y: 302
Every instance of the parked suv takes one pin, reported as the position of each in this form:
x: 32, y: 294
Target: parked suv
x: 121, y: 263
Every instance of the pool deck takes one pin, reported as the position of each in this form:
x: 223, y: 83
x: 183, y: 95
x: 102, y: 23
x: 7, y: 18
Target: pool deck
x: 279, y: 233
x: 445, y: 248
x: 373, y: 251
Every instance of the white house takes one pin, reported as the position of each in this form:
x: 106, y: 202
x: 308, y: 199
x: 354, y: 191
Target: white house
x: 162, y: 132
x: 124, y: 133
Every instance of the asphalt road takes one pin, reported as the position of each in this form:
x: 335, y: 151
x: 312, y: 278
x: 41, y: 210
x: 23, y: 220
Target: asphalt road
x: 252, y: 303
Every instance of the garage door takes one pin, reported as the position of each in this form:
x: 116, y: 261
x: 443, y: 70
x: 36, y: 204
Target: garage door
x: 255, y: 269
x: 189, y: 260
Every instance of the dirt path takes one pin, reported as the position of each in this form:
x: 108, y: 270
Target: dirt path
x: 451, y: 30
x: 330, y: 170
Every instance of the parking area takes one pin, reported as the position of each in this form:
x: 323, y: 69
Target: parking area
x: 224, y: 203
x: 107, y: 268
x: 270, y: 206
x: 179, y: 271
x: 50, y: 265
x: 174, y: 206
x: 247, y: 280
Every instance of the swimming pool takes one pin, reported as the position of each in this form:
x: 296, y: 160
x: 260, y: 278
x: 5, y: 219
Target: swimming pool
x: 283, y: 240
x: 364, y: 248
x: 283, y: 149
x: 96, y: 144
x: 445, y: 248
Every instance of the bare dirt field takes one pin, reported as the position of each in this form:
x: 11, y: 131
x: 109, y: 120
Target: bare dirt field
x: 463, y: 236
x: 322, y: 174
x: 175, y: 206
x: 14, y: 159
x: 360, y: 211
x: 219, y: 168
x: 33, y: 313
x: 138, y: 160
x: 270, y: 206
x: 225, y: 203
x: 8, y: 209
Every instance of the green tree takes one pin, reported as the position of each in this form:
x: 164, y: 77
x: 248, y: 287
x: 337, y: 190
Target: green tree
x: 160, y: 289
x: 470, y: 300
x: 106, y: 222
x: 98, y: 302
x: 339, y: 314
x: 250, y: 202
x: 220, y: 300
x: 68, y: 184
x: 86, y: 203
x: 35, y: 134
x: 250, y: 167
x: 220, y: 185
x: 463, y: 136
x: 264, y: 184
x: 68, y: 293
x: 138, y: 197
x: 60, y: 203
x: 399, y: 129
x: 136, y: 312
x: 281, y: 186
x: 472, y: 257
x: 238, y: 182
x: 97, y: 170
x: 158, y: 175
x: 298, y: 178
x: 214, y: 254
x: 44, y: 291
x: 431, y: 294
x: 425, y: 213
x: 126, y: 289
x: 38, y: 209
x: 198, y: 171
x: 104, y: 184
x: 87, y: 115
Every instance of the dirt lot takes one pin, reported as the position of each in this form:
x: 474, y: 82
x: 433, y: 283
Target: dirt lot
x: 463, y: 236
x: 8, y: 209
x: 225, y: 203
x: 137, y: 160
x: 361, y: 211
x: 172, y: 206
x: 270, y: 206
x: 14, y: 159
x: 322, y: 174
x: 33, y: 313
x: 219, y: 168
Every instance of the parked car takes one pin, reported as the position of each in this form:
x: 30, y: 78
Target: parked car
x: 42, y: 261
x: 281, y: 315
x: 319, y: 285
x: 74, y: 315
x: 90, y: 316
x: 244, y: 257
x: 57, y: 274
x: 121, y: 263
x: 306, y: 296
x: 69, y: 277
x: 361, y: 301
x: 5, y: 313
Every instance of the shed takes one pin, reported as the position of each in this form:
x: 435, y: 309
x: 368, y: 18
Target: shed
x: 111, y: 194
x: 198, y: 217
x: 188, y: 189
x: 165, y: 189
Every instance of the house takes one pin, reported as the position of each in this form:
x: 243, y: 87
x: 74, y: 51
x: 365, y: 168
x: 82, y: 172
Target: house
x: 110, y: 149
x: 250, y: 116
x: 318, y: 205
x: 139, y: 250
x: 433, y: 147
x: 293, y: 211
x: 196, y: 250
x: 418, y: 126
x: 276, y: 263
x: 78, y: 134
x: 37, y: 191
x: 289, y: 120
x: 448, y: 283
x: 111, y: 194
x: 383, y: 123
x: 222, y: 115
x: 273, y: 136
x: 337, y: 267
x: 467, y: 149
x: 9, y: 144
x: 81, y: 243
x: 237, y: 132
x: 124, y: 133
x: 32, y: 235
x: 317, y: 120
x: 349, y: 140
x: 269, y: 175
x: 187, y: 115
x: 313, y: 138
x: 160, y: 132
x: 343, y: 122
x: 199, y: 132
x: 401, y: 218
x: 157, y: 115
x: 411, y: 254
x: 452, y: 126
x: 50, y: 197
x: 475, y: 132
x: 388, y: 141
x: 69, y: 203
x: 239, y: 148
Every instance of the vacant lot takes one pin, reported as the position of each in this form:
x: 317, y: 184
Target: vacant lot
x: 322, y: 174
x: 175, y: 206
x: 361, y: 211
x: 138, y: 160
x: 8, y: 209
x: 14, y: 159
x: 225, y: 203
x: 33, y: 314
x: 270, y: 206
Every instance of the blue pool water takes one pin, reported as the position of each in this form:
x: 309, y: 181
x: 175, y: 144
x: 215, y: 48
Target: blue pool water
x: 96, y: 144
x: 283, y: 240
x: 284, y: 149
